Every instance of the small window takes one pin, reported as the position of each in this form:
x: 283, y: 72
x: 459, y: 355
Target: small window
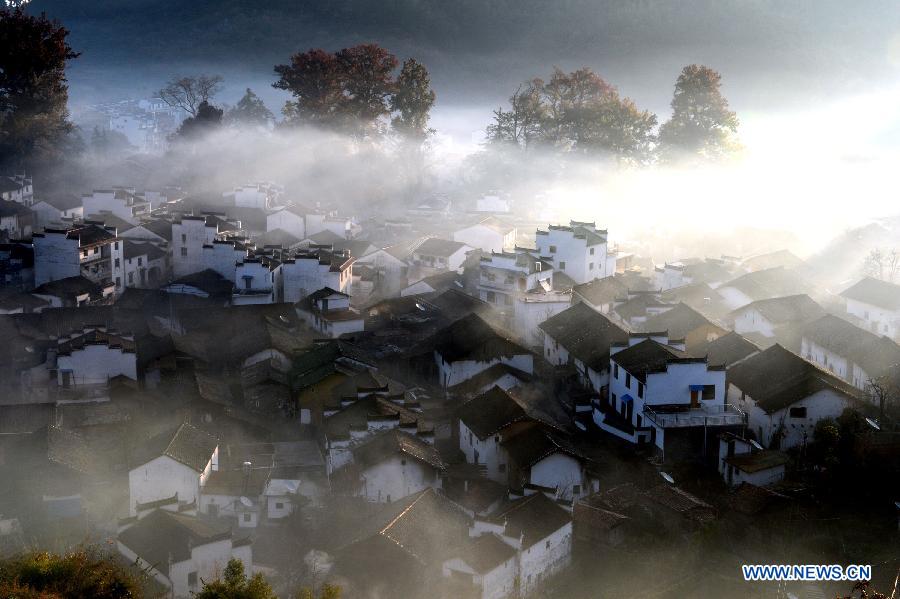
x: 247, y: 517
x: 547, y: 545
x: 184, y: 251
x: 118, y: 281
x: 403, y: 462
x: 592, y: 251
x: 628, y: 380
x: 640, y: 389
x: 139, y: 261
x: 562, y: 265
x: 709, y: 392
x: 491, y: 297
x: 501, y: 468
x: 279, y: 505
x: 496, y: 438
x: 591, y: 266
x: 130, y: 278
x: 116, y: 245
x: 615, y: 371
x: 117, y: 263
x: 798, y: 412
x: 576, y: 489
x: 84, y: 253
x: 183, y: 238
x: 192, y: 579
x: 552, y: 249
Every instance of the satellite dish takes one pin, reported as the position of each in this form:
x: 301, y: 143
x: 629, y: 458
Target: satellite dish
x: 755, y: 444
x: 668, y: 478
x: 292, y: 486
x: 284, y: 319
x: 873, y: 424
x: 29, y: 349
x: 246, y: 502
x: 420, y: 306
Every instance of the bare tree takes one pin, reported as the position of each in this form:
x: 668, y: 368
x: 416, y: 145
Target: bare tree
x: 885, y: 391
x: 188, y: 93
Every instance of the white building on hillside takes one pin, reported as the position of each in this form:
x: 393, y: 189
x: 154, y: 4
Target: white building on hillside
x: 579, y: 250
x: 490, y: 235
x: 876, y: 303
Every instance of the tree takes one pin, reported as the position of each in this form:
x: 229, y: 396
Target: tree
x: 412, y: 101
x: 189, y: 93
x: 82, y: 573
x: 328, y: 591
x: 235, y: 584
x: 316, y: 82
x: 523, y: 124
x: 34, y: 119
x: 701, y: 124
x: 207, y: 119
x: 882, y: 265
x: 250, y: 110
x: 105, y: 142
x: 367, y: 84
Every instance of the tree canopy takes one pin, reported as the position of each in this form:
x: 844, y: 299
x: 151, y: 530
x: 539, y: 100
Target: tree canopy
x: 83, y: 573
x: 34, y: 118
x: 250, y: 110
x: 235, y: 584
x: 208, y: 118
x: 190, y: 92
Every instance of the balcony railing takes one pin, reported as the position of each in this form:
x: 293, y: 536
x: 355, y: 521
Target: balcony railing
x: 682, y: 417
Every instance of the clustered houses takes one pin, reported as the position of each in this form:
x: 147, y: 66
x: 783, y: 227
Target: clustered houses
x: 455, y: 392
x: 17, y: 188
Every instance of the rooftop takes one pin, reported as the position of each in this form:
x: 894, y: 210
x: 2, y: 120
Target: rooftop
x: 874, y: 292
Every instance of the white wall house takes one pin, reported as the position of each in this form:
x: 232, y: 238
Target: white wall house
x: 490, y: 235
x: 291, y: 219
x: 88, y: 250
x: 179, y: 551
x: 784, y: 396
x: 578, y: 250
x: 307, y: 271
x: 657, y: 390
x: 143, y: 265
x: 493, y: 202
x: 256, y: 282
x: 189, y: 235
x: 440, y: 254
x: 329, y: 312
x: 52, y: 212
x: 173, y: 462
x: 317, y: 222
x: 877, y: 304
x: 93, y: 356
x: 740, y: 462
x: 502, y: 278
x: 119, y: 201
x: 765, y: 317
x: 17, y: 188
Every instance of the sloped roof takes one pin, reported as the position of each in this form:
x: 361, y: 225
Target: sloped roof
x: 602, y: 291
x: 872, y: 353
x: 161, y: 534
x: 486, y: 552
x: 532, y: 445
x: 10, y: 208
x: 535, y: 517
x: 490, y: 412
x: 471, y: 338
x: 186, y: 444
x: 585, y: 333
x: 277, y: 237
x: 70, y: 286
x: 727, y: 349
x: 783, y: 258
x: 776, y: 378
x: 434, y: 246
x: 648, y: 356
x: 134, y: 249
x: 874, y: 292
x: 236, y: 482
x: 757, y: 461
x: 771, y: 282
x: 679, y: 321
x: 638, y: 305
x: 791, y: 309
x: 387, y: 444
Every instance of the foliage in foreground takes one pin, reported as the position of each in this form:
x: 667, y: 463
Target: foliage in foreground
x: 82, y: 573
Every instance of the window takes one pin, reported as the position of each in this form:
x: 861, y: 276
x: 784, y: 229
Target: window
x: 491, y: 297
x: 130, y: 278
x: 279, y: 505
x: 507, y: 300
x: 709, y: 392
x: 640, y: 389
x: 628, y: 380
x: 183, y: 238
x: 139, y: 261
x: 592, y: 251
x: 403, y: 462
x: 591, y: 266
x: 576, y: 489
x: 84, y: 253
x: 501, y: 468
x: 192, y: 579
x: 552, y: 249
x: 615, y: 371
x: 118, y: 281
x: 117, y: 263
x: 247, y: 516
x: 547, y: 545
x: 562, y: 265
x: 184, y: 251
x: 798, y: 412
x: 496, y: 438
x: 613, y: 399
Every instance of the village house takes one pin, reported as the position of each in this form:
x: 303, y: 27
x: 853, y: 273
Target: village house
x: 260, y: 196
x: 784, y: 396
x: 490, y: 235
x: 852, y: 353
x: 661, y: 395
x: 740, y: 462
x: 142, y: 266
x: 17, y: 188
x: 180, y: 551
x: 16, y: 221
x: 89, y: 250
x: 699, y: 296
x: 94, y: 356
x: 877, y: 304
x: 760, y: 285
x: 74, y: 292
x: 256, y: 281
x: 16, y: 266
x: 505, y: 277
x: 56, y: 210
x: 440, y: 254
x: 177, y: 461
x: 777, y: 259
x: 306, y: 271
x: 639, y: 306
x: 157, y: 231
x: 469, y: 346
x: 726, y: 350
x: 683, y: 322
x: 775, y: 318
x: 329, y: 312
x: 439, y: 282
x: 296, y: 474
x: 236, y: 493
x: 493, y: 202
x: 121, y: 202
x: 291, y: 219
x: 391, y: 265
x: 578, y: 250
x: 710, y: 271
x: 601, y: 294
x: 390, y: 465
x: 533, y: 308
x: 582, y: 337
x: 320, y: 220
x: 189, y: 236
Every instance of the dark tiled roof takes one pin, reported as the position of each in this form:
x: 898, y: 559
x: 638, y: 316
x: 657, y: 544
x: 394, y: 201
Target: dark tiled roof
x: 757, y: 461
x: 10, y: 208
x: 277, y: 237
x: 638, y: 305
x: 486, y: 552
x: 791, y: 309
x: 585, y: 333
x: 185, y: 444
x: 70, y: 286
x: 236, y: 481
x: 163, y: 534
x: 648, y: 356
x: 488, y: 377
x: 386, y: 445
x: 491, y: 412
x: 434, y: 246
x: 134, y: 249
x: 681, y: 501
x: 535, y: 517
x: 872, y: 353
x: 777, y: 378
x: 875, y: 292
x: 602, y: 291
x: 772, y: 282
x: 679, y: 322
x: 727, y: 349
x: 471, y: 338
x: 783, y: 258
x: 529, y: 447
